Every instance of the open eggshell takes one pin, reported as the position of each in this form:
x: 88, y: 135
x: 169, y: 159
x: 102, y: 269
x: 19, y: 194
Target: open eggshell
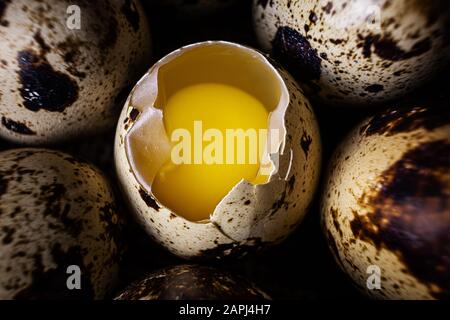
x: 250, y: 215
x: 386, y: 203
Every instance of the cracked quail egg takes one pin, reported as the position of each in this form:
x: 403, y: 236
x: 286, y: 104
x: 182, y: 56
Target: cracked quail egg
x: 212, y: 210
x: 192, y: 282
x: 55, y: 212
x: 67, y: 65
x: 356, y: 53
x: 386, y: 204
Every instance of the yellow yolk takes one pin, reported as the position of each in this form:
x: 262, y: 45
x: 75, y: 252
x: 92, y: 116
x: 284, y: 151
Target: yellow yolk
x: 194, y: 189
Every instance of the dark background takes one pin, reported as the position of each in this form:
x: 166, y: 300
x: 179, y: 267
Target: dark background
x: 300, y: 268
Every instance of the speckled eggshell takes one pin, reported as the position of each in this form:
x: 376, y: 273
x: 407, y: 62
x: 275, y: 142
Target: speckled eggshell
x: 356, y: 53
x: 55, y: 212
x: 57, y: 83
x: 387, y: 203
x: 192, y: 282
x: 249, y: 217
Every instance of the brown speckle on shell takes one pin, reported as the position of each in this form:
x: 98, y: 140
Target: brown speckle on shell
x: 128, y: 121
x: 192, y: 282
x: 134, y: 113
x: 397, y: 120
x: 295, y: 52
x: 419, y: 235
x: 327, y: 8
x: 386, y: 48
x: 3, y: 6
x: 50, y: 219
x: 374, y: 88
x: 148, y: 199
x: 42, y: 86
x: 386, y: 202
x: 233, y: 250
x: 16, y: 127
x: 305, y: 142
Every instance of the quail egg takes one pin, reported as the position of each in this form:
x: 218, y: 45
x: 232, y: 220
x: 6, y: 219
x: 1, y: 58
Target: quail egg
x: 192, y: 282
x: 386, y: 204
x: 356, y: 53
x: 60, y: 232
x: 249, y: 214
x: 67, y: 65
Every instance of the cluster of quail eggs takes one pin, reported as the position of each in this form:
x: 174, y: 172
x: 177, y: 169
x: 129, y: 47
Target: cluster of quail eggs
x: 80, y: 117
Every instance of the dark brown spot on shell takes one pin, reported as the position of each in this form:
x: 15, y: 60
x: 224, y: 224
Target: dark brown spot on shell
x: 367, y: 46
x: 3, y: 6
x: 232, y: 250
x: 386, y: 48
x: 54, y: 197
x: 148, y: 199
x: 374, y: 88
x: 337, y: 42
x: 305, y: 143
x: 409, y: 214
x: 8, y: 234
x: 312, y: 17
x: 134, y: 114
x: 279, y: 203
x: 17, y: 127
x: 335, y: 218
x: 295, y: 52
x: 398, y: 120
x: 3, y: 183
x: 328, y: 7
x: 41, y: 42
x: 42, y: 86
x: 70, y: 50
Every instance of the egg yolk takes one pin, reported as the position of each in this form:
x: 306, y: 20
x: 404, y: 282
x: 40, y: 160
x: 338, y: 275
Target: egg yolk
x: 208, y: 113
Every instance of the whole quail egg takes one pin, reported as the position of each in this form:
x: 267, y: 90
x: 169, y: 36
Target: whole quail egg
x: 60, y: 232
x: 386, y: 204
x: 251, y: 213
x: 67, y: 65
x: 356, y: 53
x: 192, y: 282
